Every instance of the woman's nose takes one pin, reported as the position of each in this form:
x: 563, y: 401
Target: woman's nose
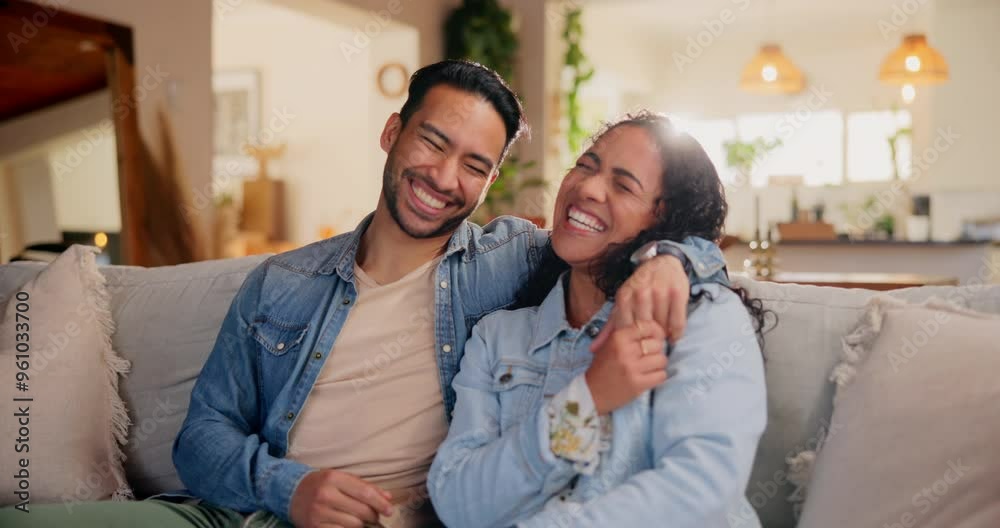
x: 594, y: 187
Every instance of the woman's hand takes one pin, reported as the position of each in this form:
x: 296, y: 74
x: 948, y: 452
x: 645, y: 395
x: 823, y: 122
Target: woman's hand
x: 627, y: 363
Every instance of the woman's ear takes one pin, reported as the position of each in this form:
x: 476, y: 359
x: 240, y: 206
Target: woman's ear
x: 390, y: 132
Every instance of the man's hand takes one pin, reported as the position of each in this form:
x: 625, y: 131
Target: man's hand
x: 331, y: 498
x: 627, y: 364
x: 658, y: 291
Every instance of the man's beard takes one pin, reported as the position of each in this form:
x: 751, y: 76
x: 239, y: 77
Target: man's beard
x: 391, y: 188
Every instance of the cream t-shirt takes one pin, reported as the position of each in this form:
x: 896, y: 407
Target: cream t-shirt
x: 376, y: 409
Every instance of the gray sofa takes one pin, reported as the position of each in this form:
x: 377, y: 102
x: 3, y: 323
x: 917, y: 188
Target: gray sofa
x: 167, y: 319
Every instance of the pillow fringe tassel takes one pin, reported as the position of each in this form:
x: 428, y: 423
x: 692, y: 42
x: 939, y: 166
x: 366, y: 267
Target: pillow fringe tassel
x: 99, y: 300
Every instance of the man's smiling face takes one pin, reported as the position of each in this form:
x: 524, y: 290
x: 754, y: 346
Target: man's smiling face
x: 441, y: 163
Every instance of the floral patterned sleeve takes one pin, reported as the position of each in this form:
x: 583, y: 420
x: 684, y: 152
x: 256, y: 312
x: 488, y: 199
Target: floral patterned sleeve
x: 576, y: 432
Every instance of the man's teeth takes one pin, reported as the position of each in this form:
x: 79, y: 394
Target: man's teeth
x: 427, y: 199
x: 585, y: 221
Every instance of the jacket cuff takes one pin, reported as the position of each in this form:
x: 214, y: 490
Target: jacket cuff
x: 278, y: 485
x: 706, y: 259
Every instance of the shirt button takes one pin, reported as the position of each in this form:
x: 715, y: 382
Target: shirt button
x: 506, y: 378
x: 446, y: 348
x: 318, y: 355
x: 701, y: 266
x: 281, y: 346
x: 444, y: 284
x: 347, y: 300
x: 593, y: 329
x: 290, y: 415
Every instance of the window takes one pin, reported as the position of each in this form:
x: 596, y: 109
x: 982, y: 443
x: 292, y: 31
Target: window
x: 869, y: 155
x: 813, y: 144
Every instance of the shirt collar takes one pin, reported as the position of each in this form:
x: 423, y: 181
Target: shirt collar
x: 551, y: 319
x: 342, y: 261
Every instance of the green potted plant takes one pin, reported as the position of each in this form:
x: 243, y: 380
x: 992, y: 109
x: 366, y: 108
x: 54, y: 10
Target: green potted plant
x: 741, y: 155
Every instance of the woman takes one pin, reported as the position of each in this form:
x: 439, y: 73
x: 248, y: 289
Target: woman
x: 548, y: 433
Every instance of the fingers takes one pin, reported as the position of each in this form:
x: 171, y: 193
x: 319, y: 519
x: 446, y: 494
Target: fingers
x: 661, y: 305
x: 651, y: 363
x: 652, y: 347
x: 602, y: 337
x: 344, y: 504
x: 643, y: 302
x: 649, y: 329
x: 345, y: 520
x: 367, y: 494
x: 623, y: 314
x: 678, y: 313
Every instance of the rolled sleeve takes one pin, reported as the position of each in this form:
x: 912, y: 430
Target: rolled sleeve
x: 707, y: 262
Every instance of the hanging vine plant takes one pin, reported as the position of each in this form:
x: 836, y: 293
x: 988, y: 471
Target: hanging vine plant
x: 482, y: 31
x: 580, y: 71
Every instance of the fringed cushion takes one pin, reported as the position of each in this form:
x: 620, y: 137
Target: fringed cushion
x: 60, y: 384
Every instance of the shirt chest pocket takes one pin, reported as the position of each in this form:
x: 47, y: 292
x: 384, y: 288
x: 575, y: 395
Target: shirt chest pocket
x: 278, y: 345
x: 277, y: 337
x: 518, y: 386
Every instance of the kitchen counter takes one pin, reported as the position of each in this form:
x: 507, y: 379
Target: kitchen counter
x: 967, y: 261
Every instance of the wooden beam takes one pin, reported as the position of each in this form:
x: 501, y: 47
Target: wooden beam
x: 121, y: 80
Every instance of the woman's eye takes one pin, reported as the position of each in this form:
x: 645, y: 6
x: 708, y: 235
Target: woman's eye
x: 476, y: 170
x: 624, y: 187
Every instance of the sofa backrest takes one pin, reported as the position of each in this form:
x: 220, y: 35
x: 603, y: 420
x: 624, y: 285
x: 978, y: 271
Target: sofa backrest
x: 167, y: 319
x: 800, y: 353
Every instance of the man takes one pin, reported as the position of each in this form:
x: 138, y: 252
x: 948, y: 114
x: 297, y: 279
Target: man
x: 329, y: 387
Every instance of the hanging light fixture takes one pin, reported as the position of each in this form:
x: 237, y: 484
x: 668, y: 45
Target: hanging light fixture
x: 771, y: 72
x: 914, y: 62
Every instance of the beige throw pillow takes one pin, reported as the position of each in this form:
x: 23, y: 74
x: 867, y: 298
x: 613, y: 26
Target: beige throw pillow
x: 63, y: 422
x: 916, y: 424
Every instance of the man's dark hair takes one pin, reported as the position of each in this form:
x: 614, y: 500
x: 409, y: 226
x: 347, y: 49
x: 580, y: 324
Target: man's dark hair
x: 473, y: 78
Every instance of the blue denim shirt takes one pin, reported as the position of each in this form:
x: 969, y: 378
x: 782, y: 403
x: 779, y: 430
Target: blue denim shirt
x: 282, y: 325
x: 680, y: 455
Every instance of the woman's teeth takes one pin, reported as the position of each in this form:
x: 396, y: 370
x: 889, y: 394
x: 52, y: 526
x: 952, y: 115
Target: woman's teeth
x: 582, y: 220
x: 427, y: 199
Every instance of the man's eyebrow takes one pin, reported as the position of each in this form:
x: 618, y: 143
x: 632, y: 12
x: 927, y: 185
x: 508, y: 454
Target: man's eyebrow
x: 485, y: 160
x: 434, y: 130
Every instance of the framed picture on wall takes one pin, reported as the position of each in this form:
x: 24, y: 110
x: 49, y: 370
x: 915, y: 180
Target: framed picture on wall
x: 237, y: 119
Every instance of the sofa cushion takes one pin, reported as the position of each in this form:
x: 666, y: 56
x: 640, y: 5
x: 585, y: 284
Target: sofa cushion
x: 800, y: 352
x: 66, y: 422
x: 915, y: 420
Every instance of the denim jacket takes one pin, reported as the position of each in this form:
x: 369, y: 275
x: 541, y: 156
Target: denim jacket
x: 282, y: 325
x: 680, y: 455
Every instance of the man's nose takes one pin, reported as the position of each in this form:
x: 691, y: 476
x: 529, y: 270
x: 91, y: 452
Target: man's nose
x: 446, y: 174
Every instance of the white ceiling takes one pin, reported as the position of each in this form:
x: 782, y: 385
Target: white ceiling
x: 772, y: 19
